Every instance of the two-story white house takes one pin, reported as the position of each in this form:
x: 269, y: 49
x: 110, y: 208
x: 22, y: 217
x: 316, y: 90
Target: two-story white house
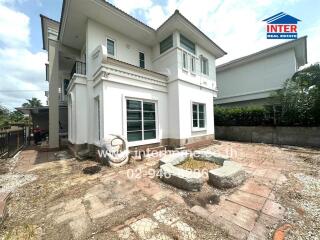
x: 120, y: 76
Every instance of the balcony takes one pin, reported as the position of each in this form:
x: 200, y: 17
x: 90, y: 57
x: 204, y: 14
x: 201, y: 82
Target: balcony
x: 78, y: 68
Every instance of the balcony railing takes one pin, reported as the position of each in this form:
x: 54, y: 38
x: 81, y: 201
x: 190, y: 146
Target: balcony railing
x: 79, y: 68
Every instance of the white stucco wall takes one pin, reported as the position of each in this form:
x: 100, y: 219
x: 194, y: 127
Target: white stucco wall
x: 114, y: 109
x: 126, y: 49
x: 256, y: 79
x: 188, y: 94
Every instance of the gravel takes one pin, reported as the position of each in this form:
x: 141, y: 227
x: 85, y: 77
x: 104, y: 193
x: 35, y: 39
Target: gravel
x: 306, y: 204
x: 10, y: 182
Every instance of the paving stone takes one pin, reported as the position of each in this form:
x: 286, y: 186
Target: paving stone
x: 247, y: 199
x: 200, y: 211
x: 126, y: 233
x: 231, y: 228
x: 260, y: 172
x: 273, y: 209
x: 79, y: 227
x: 237, y: 214
x: 148, y: 186
x: 104, y: 212
x: 4, y: 196
x: 160, y: 236
x: 176, y: 198
x: 261, y: 228
x: 73, y: 205
x: 187, y: 232
x: 144, y: 227
x: 266, y: 181
x: 66, y: 216
x: 160, y: 195
x: 256, y: 188
x: 281, y: 179
x: 56, y: 207
x: 272, y: 174
x: 166, y: 216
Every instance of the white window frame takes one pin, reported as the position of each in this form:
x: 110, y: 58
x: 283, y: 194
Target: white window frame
x: 141, y: 142
x: 144, y: 59
x: 193, y: 63
x: 201, y: 65
x: 114, y: 45
x: 198, y: 128
x: 185, y: 54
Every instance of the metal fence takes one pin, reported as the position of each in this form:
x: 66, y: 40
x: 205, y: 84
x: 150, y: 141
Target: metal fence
x: 11, y: 142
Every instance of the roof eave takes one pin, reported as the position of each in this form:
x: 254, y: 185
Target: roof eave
x: 177, y: 14
x: 250, y: 57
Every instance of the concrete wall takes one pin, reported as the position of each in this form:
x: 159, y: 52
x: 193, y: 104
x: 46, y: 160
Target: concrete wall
x: 256, y: 79
x: 297, y: 136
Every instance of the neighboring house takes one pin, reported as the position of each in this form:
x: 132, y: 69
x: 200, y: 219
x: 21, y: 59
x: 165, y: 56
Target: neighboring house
x: 155, y: 87
x: 251, y: 80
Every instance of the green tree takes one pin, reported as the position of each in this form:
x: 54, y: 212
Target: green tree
x: 16, y: 117
x: 33, y: 102
x: 300, y: 98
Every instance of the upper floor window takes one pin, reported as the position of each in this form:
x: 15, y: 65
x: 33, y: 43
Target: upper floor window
x: 193, y: 64
x: 166, y: 44
x: 141, y: 60
x: 110, y: 47
x: 204, y: 65
x: 187, y: 44
x: 185, y: 60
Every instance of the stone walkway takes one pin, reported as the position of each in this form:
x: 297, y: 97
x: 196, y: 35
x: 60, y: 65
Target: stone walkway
x: 113, y: 204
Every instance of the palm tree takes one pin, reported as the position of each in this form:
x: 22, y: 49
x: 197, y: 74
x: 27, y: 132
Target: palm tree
x: 34, y: 102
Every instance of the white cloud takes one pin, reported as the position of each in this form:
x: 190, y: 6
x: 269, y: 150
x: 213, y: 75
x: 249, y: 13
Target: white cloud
x: 20, y: 69
x: 155, y: 16
x: 14, y: 27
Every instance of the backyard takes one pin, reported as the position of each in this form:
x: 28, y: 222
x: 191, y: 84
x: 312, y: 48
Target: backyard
x: 52, y: 198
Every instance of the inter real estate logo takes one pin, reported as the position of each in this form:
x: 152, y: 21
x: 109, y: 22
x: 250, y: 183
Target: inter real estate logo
x: 282, y: 26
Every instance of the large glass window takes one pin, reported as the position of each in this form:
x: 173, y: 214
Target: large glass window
x: 166, y: 44
x: 204, y: 66
x: 187, y: 44
x: 110, y: 47
x: 141, y: 120
x: 198, y: 115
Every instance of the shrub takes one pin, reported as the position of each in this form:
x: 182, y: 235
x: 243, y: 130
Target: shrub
x: 244, y: 116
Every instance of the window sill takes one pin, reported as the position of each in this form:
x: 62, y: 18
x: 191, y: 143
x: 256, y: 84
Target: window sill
x: 185, y: 70
x: 143, y: 142
x: 199, y: 129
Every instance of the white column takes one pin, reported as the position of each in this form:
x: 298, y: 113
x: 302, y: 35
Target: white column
x: 54, y: 85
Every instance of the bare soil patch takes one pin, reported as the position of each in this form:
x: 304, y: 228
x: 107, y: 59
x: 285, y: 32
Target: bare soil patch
x: 192, y: 164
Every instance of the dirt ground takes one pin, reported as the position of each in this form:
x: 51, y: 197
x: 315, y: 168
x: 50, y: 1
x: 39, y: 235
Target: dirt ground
x: 54, y: 199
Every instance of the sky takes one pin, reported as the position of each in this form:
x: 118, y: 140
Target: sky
x: 235, y: 25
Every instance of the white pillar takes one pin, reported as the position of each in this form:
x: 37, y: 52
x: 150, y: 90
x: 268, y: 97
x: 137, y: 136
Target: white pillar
x: 54, y: 85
